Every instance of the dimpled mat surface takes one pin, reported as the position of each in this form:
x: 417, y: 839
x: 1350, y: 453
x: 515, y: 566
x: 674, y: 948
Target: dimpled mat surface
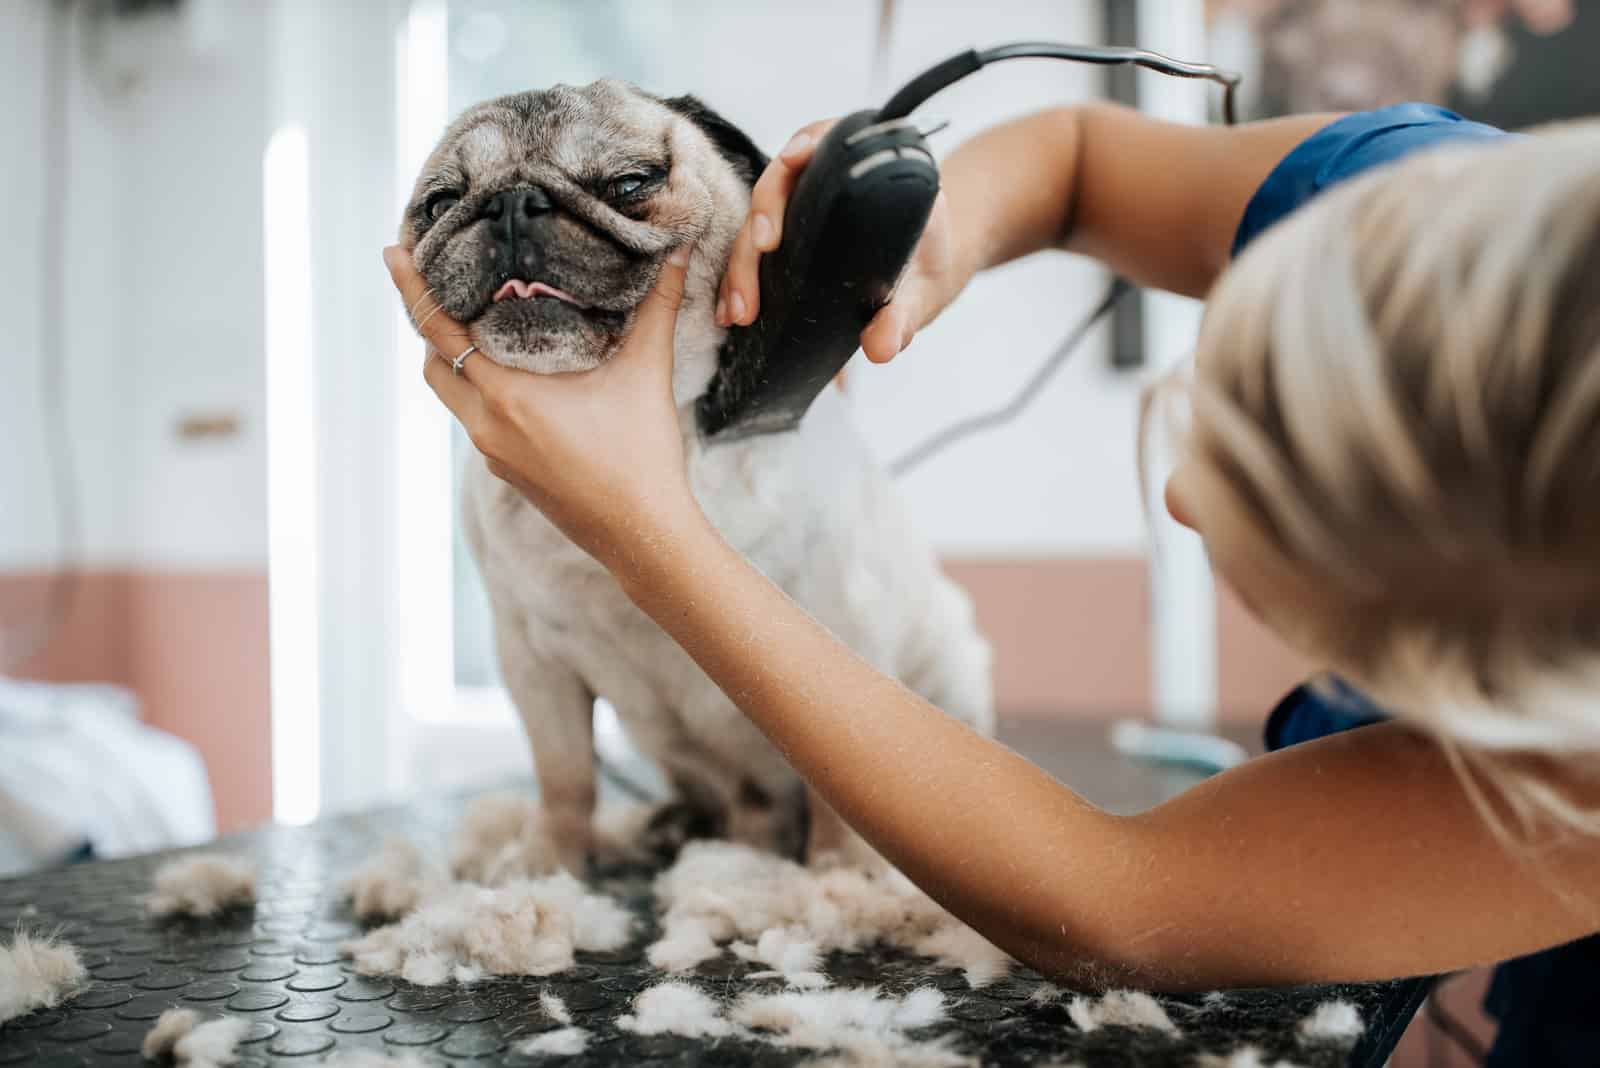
x: 278, y: 966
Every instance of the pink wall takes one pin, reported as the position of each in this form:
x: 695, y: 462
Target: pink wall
x: 193, y: 646
x: 1072, y: 637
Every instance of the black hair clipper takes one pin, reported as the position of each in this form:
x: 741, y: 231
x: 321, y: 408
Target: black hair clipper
x: 852, y: 222
x: 851, y: 225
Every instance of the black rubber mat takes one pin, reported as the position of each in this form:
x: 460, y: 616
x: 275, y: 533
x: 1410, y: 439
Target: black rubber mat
x: 278, y: 965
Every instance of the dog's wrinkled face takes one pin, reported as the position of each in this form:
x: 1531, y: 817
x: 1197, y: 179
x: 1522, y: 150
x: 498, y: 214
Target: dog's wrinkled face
x: 541, y: 220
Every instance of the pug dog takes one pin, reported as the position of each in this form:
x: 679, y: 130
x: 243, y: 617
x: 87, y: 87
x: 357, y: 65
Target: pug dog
x: 540, y: 222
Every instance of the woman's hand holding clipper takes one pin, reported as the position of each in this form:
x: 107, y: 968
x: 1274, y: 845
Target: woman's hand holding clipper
x: 933, y: 277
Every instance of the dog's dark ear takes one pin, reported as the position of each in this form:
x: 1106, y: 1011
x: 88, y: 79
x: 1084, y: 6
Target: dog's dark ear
x: 731, y: 142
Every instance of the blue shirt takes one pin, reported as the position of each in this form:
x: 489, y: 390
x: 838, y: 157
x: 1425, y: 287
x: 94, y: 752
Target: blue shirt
x: 1350, y: 146
x: 1543, y: 1001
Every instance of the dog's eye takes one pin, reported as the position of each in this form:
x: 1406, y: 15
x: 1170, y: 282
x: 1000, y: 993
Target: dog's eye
x: 627, y: 186
x: 438, y: 204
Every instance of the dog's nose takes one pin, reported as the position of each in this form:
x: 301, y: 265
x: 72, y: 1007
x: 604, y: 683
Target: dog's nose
x: 517, y: 219
x: 526, y: 203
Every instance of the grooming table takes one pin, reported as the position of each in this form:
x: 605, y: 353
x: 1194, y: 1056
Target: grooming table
x: 277, y: 965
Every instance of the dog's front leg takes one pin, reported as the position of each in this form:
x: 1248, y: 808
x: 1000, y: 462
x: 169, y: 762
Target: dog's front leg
x: 557, y: 712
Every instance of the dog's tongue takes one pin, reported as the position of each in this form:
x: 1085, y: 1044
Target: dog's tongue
x: 516, y: 287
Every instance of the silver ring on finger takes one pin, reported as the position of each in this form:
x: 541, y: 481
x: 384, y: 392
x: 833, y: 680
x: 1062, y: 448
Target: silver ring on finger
x: 455, y: 364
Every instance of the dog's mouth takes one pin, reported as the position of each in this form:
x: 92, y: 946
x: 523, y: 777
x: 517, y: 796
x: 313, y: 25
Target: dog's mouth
x: 517, y: 289
x: 536, y: 308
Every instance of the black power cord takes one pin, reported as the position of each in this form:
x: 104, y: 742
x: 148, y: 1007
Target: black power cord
x: 917, y: 91
x: 1025, y: 396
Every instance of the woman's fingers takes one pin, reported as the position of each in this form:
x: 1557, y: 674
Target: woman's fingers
x: 431, y: 321
x: 771, y: 193
x: 485, y: 394
x: 886, y: 334
x: 445, y: 339
x: 739, y: 299
x: 653, y: 326
x: 456, y: 391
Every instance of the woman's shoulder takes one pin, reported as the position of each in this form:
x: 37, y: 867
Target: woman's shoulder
x: 1348, y: 146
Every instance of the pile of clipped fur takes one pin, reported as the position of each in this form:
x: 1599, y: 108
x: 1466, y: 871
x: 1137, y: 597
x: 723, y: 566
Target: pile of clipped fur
x: 180, y: 1034
x: 513, y: 913
x: 786, y: 916
x: 526, y: 927
x: 858, y: 1027
x: 501, y: 907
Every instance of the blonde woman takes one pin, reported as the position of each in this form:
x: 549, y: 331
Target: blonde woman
x: 1393, y: 457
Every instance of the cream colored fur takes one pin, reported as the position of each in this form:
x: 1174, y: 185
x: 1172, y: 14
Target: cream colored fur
x: 202, y: 884
x: 810, y: 509
x: 37, y: 973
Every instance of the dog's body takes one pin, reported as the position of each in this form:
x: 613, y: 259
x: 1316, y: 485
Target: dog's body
x: 808, y: 508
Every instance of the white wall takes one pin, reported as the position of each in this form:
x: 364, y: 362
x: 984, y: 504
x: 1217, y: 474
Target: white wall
x: 97, y: 378
x: 163, y: 291
x: 165, y: 233
x: 1061, y: 479
x: 193, y: 133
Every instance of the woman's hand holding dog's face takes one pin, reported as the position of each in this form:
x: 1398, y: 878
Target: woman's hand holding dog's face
x: 599, y: 452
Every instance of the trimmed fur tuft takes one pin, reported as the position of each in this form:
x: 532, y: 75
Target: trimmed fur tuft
x: 180, y: 1035
x: 554, y: 1007
x: 862, y: 1027
x: 790, y: 952
x: 567, y: 1042
x: 37, y: 973
x: 1120, y: 1008
x: 502, y: 837
x: 676, y: 1008
x: 393, y: 882
x: 1332, y: 1021
x: 202, y: 885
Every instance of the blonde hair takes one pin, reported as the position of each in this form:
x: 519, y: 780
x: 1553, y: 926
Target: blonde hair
x: 1399, y: 386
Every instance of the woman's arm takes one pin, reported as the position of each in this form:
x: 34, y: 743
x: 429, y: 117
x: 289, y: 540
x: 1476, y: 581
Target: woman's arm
x: 1158, y: 202
x: 1356, y: 857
